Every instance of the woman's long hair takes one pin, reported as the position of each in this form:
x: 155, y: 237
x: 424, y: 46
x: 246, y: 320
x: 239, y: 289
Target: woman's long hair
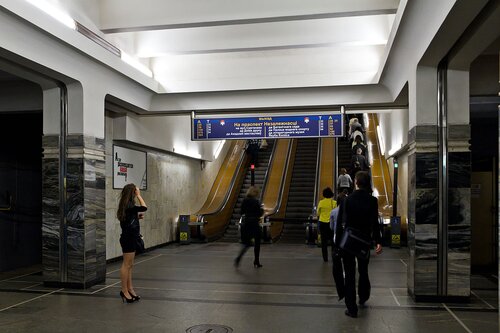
x: 127, y: 199
x: 253, y: 192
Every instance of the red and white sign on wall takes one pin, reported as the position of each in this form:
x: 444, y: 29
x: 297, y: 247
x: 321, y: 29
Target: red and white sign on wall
x: 129, y: 166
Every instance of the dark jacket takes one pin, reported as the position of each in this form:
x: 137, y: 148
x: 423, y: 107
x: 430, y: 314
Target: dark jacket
x: 130, y: 226
x: 252, y: 209
x: 359, y: 145
x: 361, y: 160
x: 250, y: 227
x: 362, y: 214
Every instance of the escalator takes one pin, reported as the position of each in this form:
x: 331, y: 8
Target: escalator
x: 301, y: 192
x: 344, y: 154
x: 381, y: 179
x: 380, y: 175
x: 213, y: 216
x: 264, y: 159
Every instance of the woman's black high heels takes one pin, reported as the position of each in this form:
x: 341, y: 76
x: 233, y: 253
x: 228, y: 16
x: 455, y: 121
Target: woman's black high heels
x: 124, y: 298
x: 257, y: 265
x: 135, y: 297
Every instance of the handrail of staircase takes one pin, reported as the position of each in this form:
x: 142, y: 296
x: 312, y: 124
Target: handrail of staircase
x: 318, y: 172
x: 269, y: 166
x: 368, y: 147
x: 282, y: 184
x: 201, y: 217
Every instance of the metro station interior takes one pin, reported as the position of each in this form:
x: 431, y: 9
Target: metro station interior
x: 97, y: 94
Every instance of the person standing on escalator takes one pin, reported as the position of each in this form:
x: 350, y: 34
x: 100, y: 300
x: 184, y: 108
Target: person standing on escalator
x: 344, y: 181
x: 252, y: 149
x: 359, y: 159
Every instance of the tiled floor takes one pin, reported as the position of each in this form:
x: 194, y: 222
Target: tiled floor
x: 185, y: 286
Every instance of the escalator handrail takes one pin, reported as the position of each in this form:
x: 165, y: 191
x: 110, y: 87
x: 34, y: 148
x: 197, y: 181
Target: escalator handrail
x: 318, y: 172
x: 282, y: 182
x: 201, y: 217
x: 269, y: 166
x: 367, y: 152
x: 380, y: 164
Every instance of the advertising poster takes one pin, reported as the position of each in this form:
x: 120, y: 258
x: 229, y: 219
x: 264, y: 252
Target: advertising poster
x: 129, y: 166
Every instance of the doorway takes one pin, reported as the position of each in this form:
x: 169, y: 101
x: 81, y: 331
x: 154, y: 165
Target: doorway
x: 20, y: 176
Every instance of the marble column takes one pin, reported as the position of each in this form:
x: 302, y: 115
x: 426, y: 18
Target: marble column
x: 423, y: 213
x: 459, y: 211
x: 74, y: 249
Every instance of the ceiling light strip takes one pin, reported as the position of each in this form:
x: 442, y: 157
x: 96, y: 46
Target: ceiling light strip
x: 54, y: 12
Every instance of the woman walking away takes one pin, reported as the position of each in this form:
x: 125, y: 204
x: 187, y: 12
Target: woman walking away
x: 251, y: 210
x: 325, y: 206
x: 128, y: 215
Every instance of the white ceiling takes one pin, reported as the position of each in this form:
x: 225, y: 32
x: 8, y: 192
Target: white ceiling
x: 221, y: 45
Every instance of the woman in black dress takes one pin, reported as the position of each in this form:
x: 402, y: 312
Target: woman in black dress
x: 251, y: 208
x: 128, y: 215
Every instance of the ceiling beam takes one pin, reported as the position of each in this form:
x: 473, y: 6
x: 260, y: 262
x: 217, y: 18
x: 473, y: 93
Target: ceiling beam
x: 131, y: 16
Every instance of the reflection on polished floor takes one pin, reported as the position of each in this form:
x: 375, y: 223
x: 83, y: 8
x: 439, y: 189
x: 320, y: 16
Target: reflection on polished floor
x: 190, y: 285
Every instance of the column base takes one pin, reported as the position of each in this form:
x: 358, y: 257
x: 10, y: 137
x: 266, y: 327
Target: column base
x: 72, y: 285
x: 440, y: 299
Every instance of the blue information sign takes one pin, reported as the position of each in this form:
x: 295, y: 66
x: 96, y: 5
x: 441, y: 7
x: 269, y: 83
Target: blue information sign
x: 305, y: 126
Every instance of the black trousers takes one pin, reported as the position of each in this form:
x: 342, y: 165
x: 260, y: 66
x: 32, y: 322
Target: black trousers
x: 364, y: 287
x: 326, y: 238
x: 249, y: 232
x: 338, y: 273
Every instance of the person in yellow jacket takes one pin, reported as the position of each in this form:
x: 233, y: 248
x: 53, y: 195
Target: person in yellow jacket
x: 325, y: 206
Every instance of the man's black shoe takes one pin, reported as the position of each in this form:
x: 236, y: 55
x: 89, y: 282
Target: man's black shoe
x: 349, y: 314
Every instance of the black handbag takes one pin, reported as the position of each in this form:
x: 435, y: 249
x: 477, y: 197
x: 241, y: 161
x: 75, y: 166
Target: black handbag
x: 139, y: 245
x: 356, y: 243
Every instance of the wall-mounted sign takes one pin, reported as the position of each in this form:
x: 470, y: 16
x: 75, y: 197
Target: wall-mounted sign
x: 129, y: 166
x: 303, y: 126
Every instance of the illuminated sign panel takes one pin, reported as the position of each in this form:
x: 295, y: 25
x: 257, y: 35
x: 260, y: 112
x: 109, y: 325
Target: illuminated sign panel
x: 305, y: 126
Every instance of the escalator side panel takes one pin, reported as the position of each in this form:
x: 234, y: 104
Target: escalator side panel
x: 327, y: 166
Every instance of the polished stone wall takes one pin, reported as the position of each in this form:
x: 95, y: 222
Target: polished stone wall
x: 50, y: 210
x: 77, y: 255
x: 459, y: 211
x: 423, y: 212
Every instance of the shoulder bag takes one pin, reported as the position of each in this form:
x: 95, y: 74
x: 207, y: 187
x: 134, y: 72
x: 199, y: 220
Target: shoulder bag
x: 354, y: 241
x: 139, y: 245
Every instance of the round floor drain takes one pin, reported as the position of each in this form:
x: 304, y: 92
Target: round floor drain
x: 209, y: 328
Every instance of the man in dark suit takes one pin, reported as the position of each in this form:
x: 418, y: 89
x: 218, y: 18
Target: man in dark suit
x: 359, y: 211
